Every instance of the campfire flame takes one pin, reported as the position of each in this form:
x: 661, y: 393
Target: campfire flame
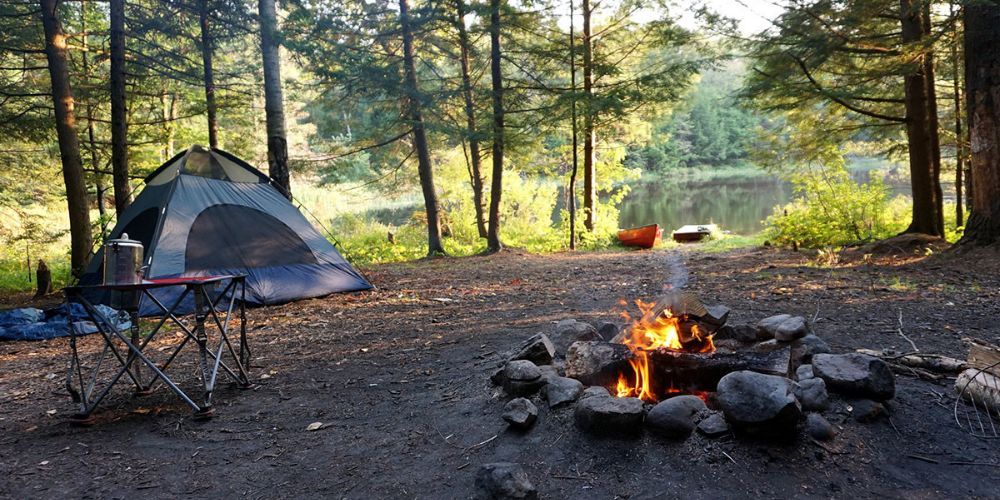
x: 655, y: 330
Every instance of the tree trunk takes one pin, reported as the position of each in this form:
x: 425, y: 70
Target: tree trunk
x: 982, y: 81
x: 95, y: 163
x: 69, y: 143
x: 589, y: 137
x: 119, y: 119
x: 277, y: 144
x: 206, y: 55
x: 169, y: 109
x: 413, y: 105
x: 920, y: 143
x: 572, y: 177
x: 496, y: 186
x: 933, y: 125
x: 956, y: 82
x: 475, y: 163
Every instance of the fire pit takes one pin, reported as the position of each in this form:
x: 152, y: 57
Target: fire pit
x: 675, y: 365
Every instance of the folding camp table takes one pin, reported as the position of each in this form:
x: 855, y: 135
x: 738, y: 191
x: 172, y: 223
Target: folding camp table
x: 210, y: 294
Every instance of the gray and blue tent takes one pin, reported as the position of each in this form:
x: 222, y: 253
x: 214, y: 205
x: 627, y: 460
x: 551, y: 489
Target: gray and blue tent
x: 206, y: 212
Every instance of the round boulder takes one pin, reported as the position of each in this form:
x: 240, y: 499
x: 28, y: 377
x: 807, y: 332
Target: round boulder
x: 812, y: 395
x: 504, y: 480
x: 819, y: 428
x: 520, y: 413
x: 595, y: 391
x: 675, y: 417
x: 522, y: 378
x: 855, y: 374
x: 600, y: 415
x: 755, y: 400
x: 561, y: 390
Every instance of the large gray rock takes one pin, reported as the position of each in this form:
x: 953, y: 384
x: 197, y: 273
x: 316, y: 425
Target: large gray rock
x: 522, y: 378
x: 714, y: 425
x: 790, y: 329
x: 812, y: 394
x: 600, y: 415
x: 855, y: 374
x: 594, y: 362
x: 819, y: 428
x: 562, y: 390
x: 754, y: 400
x: 538, y: 349
x: 520, y: 413
x: 595, y: 391
x: 504, y: 481
x: 767, y: 326
x: 675, y: 417
x: 571, y: 330
x: 609, y: 330
x: 805, y: 348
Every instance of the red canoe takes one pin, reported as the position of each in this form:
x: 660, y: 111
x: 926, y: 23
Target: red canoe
x: 642, y: 237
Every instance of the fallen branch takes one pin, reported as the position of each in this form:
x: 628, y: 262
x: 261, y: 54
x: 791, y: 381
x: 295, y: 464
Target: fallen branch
x: 901, y: 334
x: 930, y: 362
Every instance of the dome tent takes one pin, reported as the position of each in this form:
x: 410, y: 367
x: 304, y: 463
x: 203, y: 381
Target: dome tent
x: 206, y: 212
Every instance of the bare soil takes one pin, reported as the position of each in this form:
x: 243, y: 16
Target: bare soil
x: 399, y: 379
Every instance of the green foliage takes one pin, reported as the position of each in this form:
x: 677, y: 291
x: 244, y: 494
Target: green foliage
x: 832, y: 209
x: 709, y: 128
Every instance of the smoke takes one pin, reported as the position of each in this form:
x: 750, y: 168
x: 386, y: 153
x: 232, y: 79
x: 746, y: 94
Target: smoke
x: 677, y: 272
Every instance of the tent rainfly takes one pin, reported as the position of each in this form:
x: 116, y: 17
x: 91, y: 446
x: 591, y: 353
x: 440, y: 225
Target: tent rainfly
x: 206, y: 212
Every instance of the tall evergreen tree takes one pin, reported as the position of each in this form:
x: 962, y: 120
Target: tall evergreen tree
x: 274, y: 107
x: 982, y: 78
x: 69, y: 143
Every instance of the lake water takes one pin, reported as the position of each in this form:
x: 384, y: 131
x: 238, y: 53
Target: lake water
x: 737, y: 204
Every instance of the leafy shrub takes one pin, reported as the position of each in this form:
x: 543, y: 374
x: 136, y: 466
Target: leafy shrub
x: 831, y: 209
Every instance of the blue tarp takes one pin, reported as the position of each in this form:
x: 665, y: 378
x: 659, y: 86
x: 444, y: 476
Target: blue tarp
x: 34, y: 324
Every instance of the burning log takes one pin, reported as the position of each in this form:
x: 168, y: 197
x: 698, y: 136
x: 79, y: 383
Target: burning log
x: 601, y: 363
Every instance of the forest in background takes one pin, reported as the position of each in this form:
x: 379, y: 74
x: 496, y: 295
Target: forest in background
x: 388, y: 104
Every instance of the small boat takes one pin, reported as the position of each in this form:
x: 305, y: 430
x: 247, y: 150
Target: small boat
x: 694, y: 232
x: 642, y: 237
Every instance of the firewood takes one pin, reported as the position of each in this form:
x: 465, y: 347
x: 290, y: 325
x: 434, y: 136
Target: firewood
x: 930, y: 362
x: 979, y: 388
x: 985, y: 357
x: 707, y: 369
x: 600, y: 363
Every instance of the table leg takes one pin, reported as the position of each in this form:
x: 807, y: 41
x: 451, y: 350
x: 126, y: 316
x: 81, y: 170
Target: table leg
x: 201, y: 338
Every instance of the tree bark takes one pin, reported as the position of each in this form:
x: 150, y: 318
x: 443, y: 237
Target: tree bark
x: 209, y: 75
x: 982, y: 80
x: 169, y: 115
x: 475, y: 158
x: 496, y: 186
x: 92, y: 147
x: 69, y: 143
x: 576, y: 162
x: 277, y: 142
x: 119, y: 118
x: 933, y: 124
x: 920, y: 140
x: 413, y: 105
x: 956, y: 82
x: 589, y: 136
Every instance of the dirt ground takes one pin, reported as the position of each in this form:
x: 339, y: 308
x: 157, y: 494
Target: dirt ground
x: 399, y: 379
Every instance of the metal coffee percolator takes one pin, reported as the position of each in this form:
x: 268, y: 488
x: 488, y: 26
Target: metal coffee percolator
x: 123, y: 261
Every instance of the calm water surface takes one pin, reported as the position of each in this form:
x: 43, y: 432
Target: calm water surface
x: 737, y: 204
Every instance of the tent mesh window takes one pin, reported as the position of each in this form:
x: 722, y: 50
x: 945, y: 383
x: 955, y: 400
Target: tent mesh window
x: 228, y: 236
x: 201, y: 163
